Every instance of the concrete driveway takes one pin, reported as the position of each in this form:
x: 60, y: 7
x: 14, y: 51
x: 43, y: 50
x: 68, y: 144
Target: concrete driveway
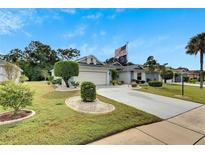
x: 163, y: 107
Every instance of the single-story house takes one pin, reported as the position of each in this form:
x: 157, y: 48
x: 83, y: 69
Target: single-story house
x: 4, y: 75
x: 92, y: 69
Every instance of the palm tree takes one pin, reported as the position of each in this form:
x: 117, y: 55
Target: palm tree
x: 197, y: 45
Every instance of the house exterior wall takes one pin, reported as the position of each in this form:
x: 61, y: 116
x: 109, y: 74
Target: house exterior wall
x: 125, y: 76
x: 3, y: 76
x: 144, y: 76
x: 152, y: 76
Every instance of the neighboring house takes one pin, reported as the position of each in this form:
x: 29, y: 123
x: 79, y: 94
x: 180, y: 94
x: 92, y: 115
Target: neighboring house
x: 178, y: 72
x: 4, y: 75
x: 92, y: 69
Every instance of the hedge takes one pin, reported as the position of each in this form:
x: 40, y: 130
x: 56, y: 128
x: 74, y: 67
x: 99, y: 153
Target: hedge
x: 88, y: 91
x: 155, y: 83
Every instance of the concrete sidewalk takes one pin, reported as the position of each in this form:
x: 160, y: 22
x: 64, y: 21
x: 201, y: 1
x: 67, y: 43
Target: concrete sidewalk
x: 187, y: 128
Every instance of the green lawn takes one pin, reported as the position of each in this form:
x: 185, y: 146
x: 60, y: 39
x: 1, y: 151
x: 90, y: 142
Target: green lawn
x: 190, y: 92
x: 55, y: 123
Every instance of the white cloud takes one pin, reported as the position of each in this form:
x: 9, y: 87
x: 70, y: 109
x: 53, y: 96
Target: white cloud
x: 87, y: 49
x: 12, y: 20
x: 79, y: 31
x: 93, y: 16
x: 69, y: 11
x: 27, y: 33
x: 114, y: 15
x: 9, y: 22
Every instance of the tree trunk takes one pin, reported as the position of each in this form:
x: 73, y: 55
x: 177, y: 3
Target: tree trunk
x: 66, y: 82
x: 165, y: 80
x: 201, y: 69
x: 16, y: 111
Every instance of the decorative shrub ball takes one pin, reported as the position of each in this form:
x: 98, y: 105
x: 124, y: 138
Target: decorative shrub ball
x: 133, y: 84
x: 88, y: 91
x: 155, y: 83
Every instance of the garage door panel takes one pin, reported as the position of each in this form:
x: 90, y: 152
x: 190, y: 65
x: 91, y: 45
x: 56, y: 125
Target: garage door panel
x: 99, y: 78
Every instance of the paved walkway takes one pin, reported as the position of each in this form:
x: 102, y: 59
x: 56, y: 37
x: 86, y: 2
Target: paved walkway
x: 161, y: 106
x: 187, y: 128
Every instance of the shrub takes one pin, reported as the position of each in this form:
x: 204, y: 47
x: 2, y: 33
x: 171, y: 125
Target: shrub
x: 140, y: 81
x: 114, y: 74
x: 57, y: 81
x: 133, y: 84
x: 23, y: 78
x: 155, y: 83
x: 50, y: 78
x: 186, y: 79
x: 134, y: 80
x: 66, y: 69
x: 75, y: 84
x: 192, y: 80
x: 15, y: 96
x: 120, y: 82
x: 88, y: 91
x: 114, y: 82
x: 34, y: 73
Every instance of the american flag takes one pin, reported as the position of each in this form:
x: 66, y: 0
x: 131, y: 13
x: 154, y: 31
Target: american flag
x: 122, y: 51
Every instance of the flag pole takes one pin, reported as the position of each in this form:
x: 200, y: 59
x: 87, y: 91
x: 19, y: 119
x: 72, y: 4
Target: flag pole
x: 127, y: 50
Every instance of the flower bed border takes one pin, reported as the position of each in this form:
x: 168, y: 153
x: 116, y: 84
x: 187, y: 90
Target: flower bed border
x: 20, y: 119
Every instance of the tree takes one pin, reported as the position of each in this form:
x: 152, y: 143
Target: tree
x: 45, y: 74
x: 166, y: 75
x: 11, y: 71
x: 111, y: 60
x: 67, y: 54
x: 38, y: 56
x: 14, y: 56
x: 114, y: 74
x: 23, y: 78
x: 197, y: 45
x: 66, y: 69
x: 151, y: 64
x: 37, y: 53
x: 15, y: 96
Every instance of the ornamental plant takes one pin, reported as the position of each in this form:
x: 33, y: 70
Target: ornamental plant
x: 66, y: 69
x: 155, y: 83
x: 88, y: 92
x: 15, y: 96
x: 23, y: 78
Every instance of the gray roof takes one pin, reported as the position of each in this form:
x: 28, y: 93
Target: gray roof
x: 80, y: 59
x: 132, y: 67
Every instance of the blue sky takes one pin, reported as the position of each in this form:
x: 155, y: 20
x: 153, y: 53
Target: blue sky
x: 162, y: 33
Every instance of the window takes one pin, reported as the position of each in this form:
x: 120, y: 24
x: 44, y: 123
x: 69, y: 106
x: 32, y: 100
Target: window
x: 139, y: 76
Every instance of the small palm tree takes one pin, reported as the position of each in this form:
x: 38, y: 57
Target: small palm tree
x: 197, y: 45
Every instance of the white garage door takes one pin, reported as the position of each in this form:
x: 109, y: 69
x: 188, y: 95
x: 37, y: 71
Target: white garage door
x: 99, y: 78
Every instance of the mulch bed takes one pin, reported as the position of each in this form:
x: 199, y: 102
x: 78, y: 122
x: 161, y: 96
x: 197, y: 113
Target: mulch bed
x: 7, y: 116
